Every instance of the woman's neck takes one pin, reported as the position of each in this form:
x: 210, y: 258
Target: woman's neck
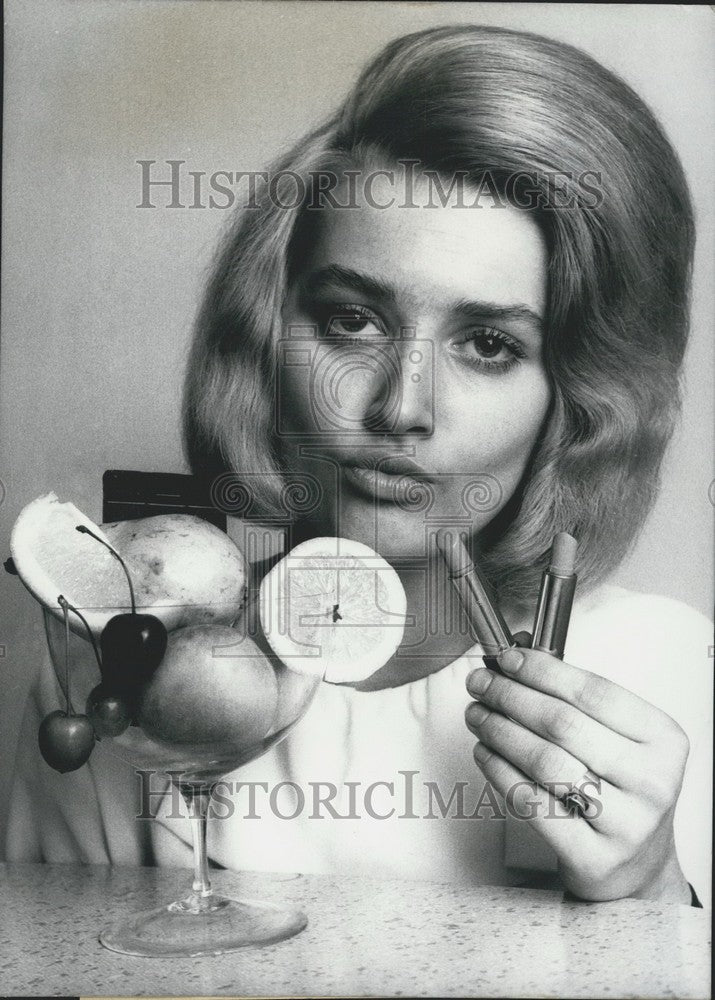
x: 437, y: 630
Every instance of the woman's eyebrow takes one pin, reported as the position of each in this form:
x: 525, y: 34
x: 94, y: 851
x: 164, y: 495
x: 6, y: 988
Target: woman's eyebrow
x: 335, y: 274
x: 491, y: 310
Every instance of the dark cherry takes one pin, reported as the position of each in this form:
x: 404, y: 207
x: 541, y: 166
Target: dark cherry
x: 66, y: 741
x: 132, y: 648
x: 132, y: 644
x: 109, y: 711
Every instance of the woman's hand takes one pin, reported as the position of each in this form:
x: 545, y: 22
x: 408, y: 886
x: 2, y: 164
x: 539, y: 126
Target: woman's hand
x: 546, y: 727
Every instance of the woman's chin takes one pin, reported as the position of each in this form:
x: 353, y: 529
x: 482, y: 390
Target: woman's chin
x: 392, y: 531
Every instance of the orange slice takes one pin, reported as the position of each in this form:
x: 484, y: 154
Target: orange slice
x: 333, y: 607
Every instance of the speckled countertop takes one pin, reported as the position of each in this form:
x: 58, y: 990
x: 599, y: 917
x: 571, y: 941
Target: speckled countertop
x: 364, y: 938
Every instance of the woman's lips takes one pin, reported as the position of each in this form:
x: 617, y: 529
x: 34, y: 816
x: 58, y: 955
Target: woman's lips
x: 381, y: 485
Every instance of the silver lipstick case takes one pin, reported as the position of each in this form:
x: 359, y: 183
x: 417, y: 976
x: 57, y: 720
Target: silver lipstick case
x: 553, y: 613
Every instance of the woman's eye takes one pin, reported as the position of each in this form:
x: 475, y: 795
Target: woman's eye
x: 489, y: 346
x: 345, y: 324
x: 351, y: 323
x: 490, y: 349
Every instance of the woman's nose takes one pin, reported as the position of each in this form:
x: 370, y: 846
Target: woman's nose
x: 402, y: 396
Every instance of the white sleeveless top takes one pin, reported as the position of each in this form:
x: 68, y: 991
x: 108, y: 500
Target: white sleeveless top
x: 380, y: 782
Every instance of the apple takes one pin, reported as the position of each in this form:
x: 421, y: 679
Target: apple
x: 214, y: 685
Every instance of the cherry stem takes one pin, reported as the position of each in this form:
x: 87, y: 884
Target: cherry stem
x: 62, y: 601
x: 64, y: 606
x: 86, y: 531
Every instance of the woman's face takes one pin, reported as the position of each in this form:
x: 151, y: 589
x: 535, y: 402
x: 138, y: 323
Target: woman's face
x: 413, y: 343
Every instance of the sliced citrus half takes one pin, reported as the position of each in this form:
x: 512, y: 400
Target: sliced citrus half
x: 52, y: 558
x: 184, y: 570
x: 333, y: 607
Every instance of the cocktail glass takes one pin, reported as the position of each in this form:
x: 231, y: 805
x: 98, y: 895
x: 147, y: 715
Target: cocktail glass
x: 203, y: 922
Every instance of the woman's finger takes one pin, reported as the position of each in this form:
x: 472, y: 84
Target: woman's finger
x: 603, y: 700
x: 555, y: 770
x: 609, y: 754
x: 570, y: 836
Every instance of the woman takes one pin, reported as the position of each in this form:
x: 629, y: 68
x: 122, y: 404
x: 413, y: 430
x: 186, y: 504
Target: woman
x: 495, y: 237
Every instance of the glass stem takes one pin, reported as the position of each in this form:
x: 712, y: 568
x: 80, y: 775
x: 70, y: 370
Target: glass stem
x: 197, y: 800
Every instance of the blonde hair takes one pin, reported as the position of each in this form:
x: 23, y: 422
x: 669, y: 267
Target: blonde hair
x: 484, y: 99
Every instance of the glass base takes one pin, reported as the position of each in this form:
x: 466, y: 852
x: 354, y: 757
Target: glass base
x: 203, y: 925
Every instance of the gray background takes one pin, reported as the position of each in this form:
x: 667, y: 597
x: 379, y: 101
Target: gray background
x: 98, y: 296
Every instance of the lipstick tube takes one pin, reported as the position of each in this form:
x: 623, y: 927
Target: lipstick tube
x: 558, y: 585
x: 487, y: 625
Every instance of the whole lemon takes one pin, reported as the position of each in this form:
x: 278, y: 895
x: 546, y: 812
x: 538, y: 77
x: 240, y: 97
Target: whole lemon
x: 185, y: 570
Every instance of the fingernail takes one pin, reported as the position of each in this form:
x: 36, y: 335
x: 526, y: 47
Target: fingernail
x: 479, y: 680
x: 476, y: 714
x: 481, y: 753
x: 510, y: 660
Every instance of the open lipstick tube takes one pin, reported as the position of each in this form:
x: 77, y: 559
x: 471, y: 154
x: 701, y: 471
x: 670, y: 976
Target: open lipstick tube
x: 558, y: 585
x: 486, y: 622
